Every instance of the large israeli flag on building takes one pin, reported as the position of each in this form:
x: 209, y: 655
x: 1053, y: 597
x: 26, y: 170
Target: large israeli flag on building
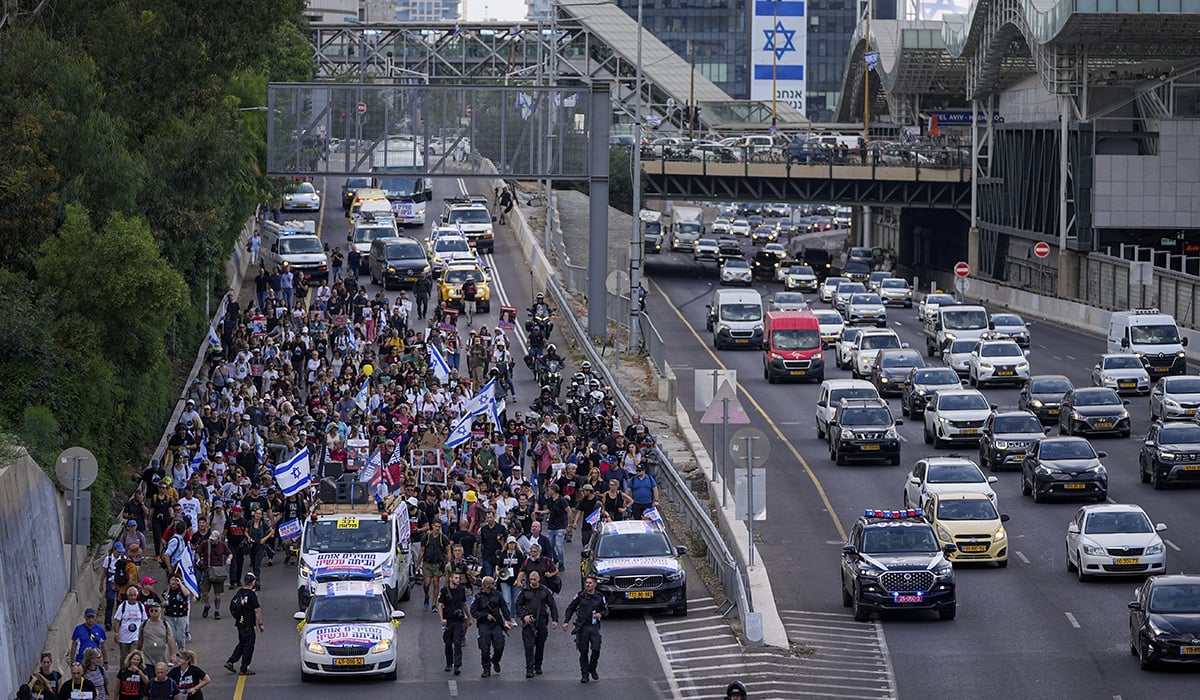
x: 779, y: 42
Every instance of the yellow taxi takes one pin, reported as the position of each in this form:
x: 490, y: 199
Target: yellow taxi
x: 451, y: 281
x: 365, y: 194
x: 971, y: 523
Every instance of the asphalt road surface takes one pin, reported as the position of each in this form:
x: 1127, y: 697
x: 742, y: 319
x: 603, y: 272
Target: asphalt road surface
x: 1028, y: 631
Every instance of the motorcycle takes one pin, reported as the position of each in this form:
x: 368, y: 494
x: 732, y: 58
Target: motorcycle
x: 550, y: 374
x: 540, y: 315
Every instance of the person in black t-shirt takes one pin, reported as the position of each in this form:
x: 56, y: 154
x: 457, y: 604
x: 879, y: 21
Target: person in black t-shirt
x: 188, y: 677
x: 248, y: 619
x: 132, y: 681
x: 433, y: 558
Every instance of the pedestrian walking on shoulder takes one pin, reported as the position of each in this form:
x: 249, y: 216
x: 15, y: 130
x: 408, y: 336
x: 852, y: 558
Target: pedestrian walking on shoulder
x: 456, y: 618
x: 128, y: 619
x: 537, y: 609
x: 494, y: 619
x: 588, y: 607
x: 247, y: 617
x: 94, y: 671
x: 132, y: 680
x: 215, y: 560
x: 176, y: 606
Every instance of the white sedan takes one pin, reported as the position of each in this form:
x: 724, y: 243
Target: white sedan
x: 936, y: 474
x: 1121, y: 371
x: 305, y: 197
x: 349, y: 629
x: 740, y: 227
x: 1114, y: 539
x: 736, y: 271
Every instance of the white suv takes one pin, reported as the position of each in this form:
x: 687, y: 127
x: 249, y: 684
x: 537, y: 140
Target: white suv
x: 866, y: 308
x: 833, y: 392
x: 996, y: 361
x: 866, y: 347
x: 955, y: 415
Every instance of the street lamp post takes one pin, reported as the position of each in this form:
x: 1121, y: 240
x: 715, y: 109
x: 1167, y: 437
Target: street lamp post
x: 637, y: 246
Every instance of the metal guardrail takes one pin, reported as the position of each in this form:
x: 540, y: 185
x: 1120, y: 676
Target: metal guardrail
x: 653, y: 342
x: 717, y: 552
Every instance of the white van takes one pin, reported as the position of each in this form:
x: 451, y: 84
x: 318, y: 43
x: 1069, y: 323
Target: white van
x: 347, y: 542
x: 735, y: 318
x: 1152, y: 336
x: 296, y: 245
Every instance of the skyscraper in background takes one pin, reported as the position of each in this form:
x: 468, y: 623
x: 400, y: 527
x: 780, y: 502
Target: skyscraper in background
x: 427, y: 10
x: 830, y: 26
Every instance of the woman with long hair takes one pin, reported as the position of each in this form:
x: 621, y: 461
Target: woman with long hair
x: 94, y: 672
x: 132, y: 681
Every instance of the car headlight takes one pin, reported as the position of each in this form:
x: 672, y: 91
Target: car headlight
x: 943, y: 419
x: 868, y: 571
x: 674, y: 576
x: 847, y: 434
x: 1180, y: 354
x: 776, y: 356
x: 1172, y: 403
x: 1093, y: 551
x: 944, y: 569
x: 1043, y: 470
x: 1155, y: 549
x: 381, y: 646
x: 723, y: 328
x: 1076, y: 415
x: 1036, y: 403
x: 1123, y: 414
x: 891, y: 434
x: 1023, y: 365
x: 1166, y: 456
x: 986, y: 365
x: 944, y: 535
x: 1001, y: 445
x: 1000, y: 535
x: 305, y: 570
x: 1109, y: 380
x: 391, y: 269
x: 1098, y: 469
x: 883, y: 380
x: 951, y: 336
x: 316, y: 648
x: 922, y: 392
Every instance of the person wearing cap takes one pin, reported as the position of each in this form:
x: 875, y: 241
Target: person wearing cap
x: 510, y: 559
x: 643, y: 489
x: 154, y: 638
x: 248, y: 620
x: 108, y: 586
x: 88, y: 635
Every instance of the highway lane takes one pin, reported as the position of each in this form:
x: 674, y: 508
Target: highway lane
x: 630, y: 665
x: 1008, y: 619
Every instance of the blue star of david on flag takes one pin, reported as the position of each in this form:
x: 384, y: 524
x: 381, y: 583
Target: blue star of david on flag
x: 772, y: 43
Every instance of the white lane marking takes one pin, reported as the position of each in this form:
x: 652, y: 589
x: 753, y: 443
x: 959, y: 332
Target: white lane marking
x: 1070, y: 357
x: 1072, y: 620
x: 1056, y: 357
x: 1021, y: 555
x: 453, y: 688
x: 1110, y: 500
x: 689, y: 630
x: 662, y: 656
x: 887, y: 657
x: 1172, y: 545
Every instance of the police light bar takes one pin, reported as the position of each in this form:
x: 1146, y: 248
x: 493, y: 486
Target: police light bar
x: 894, y: 514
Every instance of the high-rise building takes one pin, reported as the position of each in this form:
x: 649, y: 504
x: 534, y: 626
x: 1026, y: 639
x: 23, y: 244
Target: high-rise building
x: 324, y: 11
x: 830, y: 26
x: 427, y: 10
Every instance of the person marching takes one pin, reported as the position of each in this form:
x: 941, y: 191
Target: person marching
x: 591, y: 607
x: 494, y: 619
x: 533, y: 604
x: 456, y: 618
x: 247, y: 617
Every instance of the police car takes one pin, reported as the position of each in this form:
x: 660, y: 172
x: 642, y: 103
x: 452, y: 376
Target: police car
x: 348, y: 629
x: 636, y: 567
x: 894, y: 561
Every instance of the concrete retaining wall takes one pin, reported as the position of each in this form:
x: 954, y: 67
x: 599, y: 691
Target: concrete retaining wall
x: 33, y: 578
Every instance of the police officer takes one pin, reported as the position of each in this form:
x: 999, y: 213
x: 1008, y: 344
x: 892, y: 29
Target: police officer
x: 456, y: 618
x: 535, y: 607
x: 494, y: 619
x: 421, y: 289
x: 591, y: 607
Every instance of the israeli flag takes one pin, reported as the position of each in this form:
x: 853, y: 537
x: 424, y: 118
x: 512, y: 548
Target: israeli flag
x: 871, y: 58
x: 293, y: 476
x: 187, y: 572
x: 289, y: 530
x: 653, y: 120
x: 652, y: 515
x: 201, y: 454
x: 572, y: 100
x: 484, y: 401
x: 594, y: 518
x: 363, y: 395
x: 370, y: 472
x: 525, y: 104
x: 438, y: 364
x: 351, y: 341
x: 213, y: 339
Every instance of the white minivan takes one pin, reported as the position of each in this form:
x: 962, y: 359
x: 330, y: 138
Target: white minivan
x: 1152, y: 336
x: 735, y: 319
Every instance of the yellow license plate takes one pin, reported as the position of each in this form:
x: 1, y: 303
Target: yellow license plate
x: 1190, y: 411
x: 798, y: 373
x: 1005, y: 373
x: 1128, y: 385
x: 1074, y: 486
x: 1125, y: 562
x: 639, y: 595
x: 1192, y: 468
x: 1105, y: 424
x: 1018, y: 457
x: 970, y: 431
x: 869, y: 448
x: 868, y: 315
x: 1161, y: 369
x: 1054, y: 411
x: 743, y: 340
x: 347, y: 523
x: 974, y: 548
x: 352, y: 661
x: 1189, y: 650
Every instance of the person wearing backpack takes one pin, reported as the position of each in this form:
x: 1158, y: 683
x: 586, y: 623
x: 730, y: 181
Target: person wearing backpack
x: 108, y: 585
x: 161, y: 686
x: 247, y: 617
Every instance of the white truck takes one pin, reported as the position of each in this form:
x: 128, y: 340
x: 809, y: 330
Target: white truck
x: 1152, y: 336
x: 687, y: 225
x: 652, y: 230
x: 295, y: 244
x: 951, y: 323
x: 356, y: 542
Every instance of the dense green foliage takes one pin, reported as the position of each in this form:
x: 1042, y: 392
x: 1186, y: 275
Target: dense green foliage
x: 130, y: 165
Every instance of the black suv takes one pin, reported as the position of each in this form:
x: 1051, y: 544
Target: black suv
x: 1043, y: 394
x: 636, y: 566
x: 764, y: 265
x: 893, y: 561
x: 922, y: 383
x: 1006, y: 436
x: 350, y: 188
x: 1063, y: 466
x: 892, y: 368
x: 1170, y: 454
x: 863, y: 431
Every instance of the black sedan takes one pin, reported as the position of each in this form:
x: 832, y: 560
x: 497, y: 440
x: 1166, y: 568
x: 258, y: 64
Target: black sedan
x: 1170, y: 454
x: 1164, y: 621
x: 1007, y: 436
x: 892, y: 368
x: 921, y: 384
x: 1093, y: 411
x: 1063, y: 466
x: 1043, y: 395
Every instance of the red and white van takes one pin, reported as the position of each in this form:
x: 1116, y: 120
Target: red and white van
x: 792, y: 347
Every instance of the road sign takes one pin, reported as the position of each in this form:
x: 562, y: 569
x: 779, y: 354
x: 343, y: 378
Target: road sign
x: 725, y: 407
x: 742, y: 500
x: 617, y: 283
x: 88, y: 467
x: 962, y: 285
x: 1041, y: 249
x: 961, y: 269
x: 706, y: 383
x: 362, y: 107
x: 737, y: 447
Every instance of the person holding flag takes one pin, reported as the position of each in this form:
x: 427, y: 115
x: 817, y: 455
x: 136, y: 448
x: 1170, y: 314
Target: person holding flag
x: 643, y: 489
x: 593, y: 512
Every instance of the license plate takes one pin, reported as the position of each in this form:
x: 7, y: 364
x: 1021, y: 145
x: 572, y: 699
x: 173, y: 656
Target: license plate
x: 798, y: 373
x: 1126, y: 562
x: 870, y: 448
x: 1005, y: 373
x: 1192, y: 468
x: 1128, y: 385
x: 1104, y: 424
x: 1017, y: 457
x: 410, y: 279
x: 911, y: 598
x: 970, y: 431
x: 868, y: 315
x: 352, y: 661
x: 1054, y: 411
x: 1161, y: 369
x: 1189, y: 650
x: 1074, y: 486
x: 743, y: 340
x: 974, y: 548
x: 639, y: 595
x: 1190, y: 411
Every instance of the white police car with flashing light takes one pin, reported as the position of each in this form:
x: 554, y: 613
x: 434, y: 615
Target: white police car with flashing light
x: 636, y: 566
x: 348, y: 629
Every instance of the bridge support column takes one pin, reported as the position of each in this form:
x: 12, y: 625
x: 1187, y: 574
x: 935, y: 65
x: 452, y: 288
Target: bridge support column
x: 600, y: 112
x: 1068, y: 274
x: 973, y: 249
x: 867, y: 232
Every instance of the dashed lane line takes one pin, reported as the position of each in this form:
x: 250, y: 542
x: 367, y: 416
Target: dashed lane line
x: 1072, y: 620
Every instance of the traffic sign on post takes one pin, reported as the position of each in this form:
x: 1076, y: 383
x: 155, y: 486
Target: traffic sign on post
x: 961, y: 269
x: 1041, y: 249
x: 362, y: 107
